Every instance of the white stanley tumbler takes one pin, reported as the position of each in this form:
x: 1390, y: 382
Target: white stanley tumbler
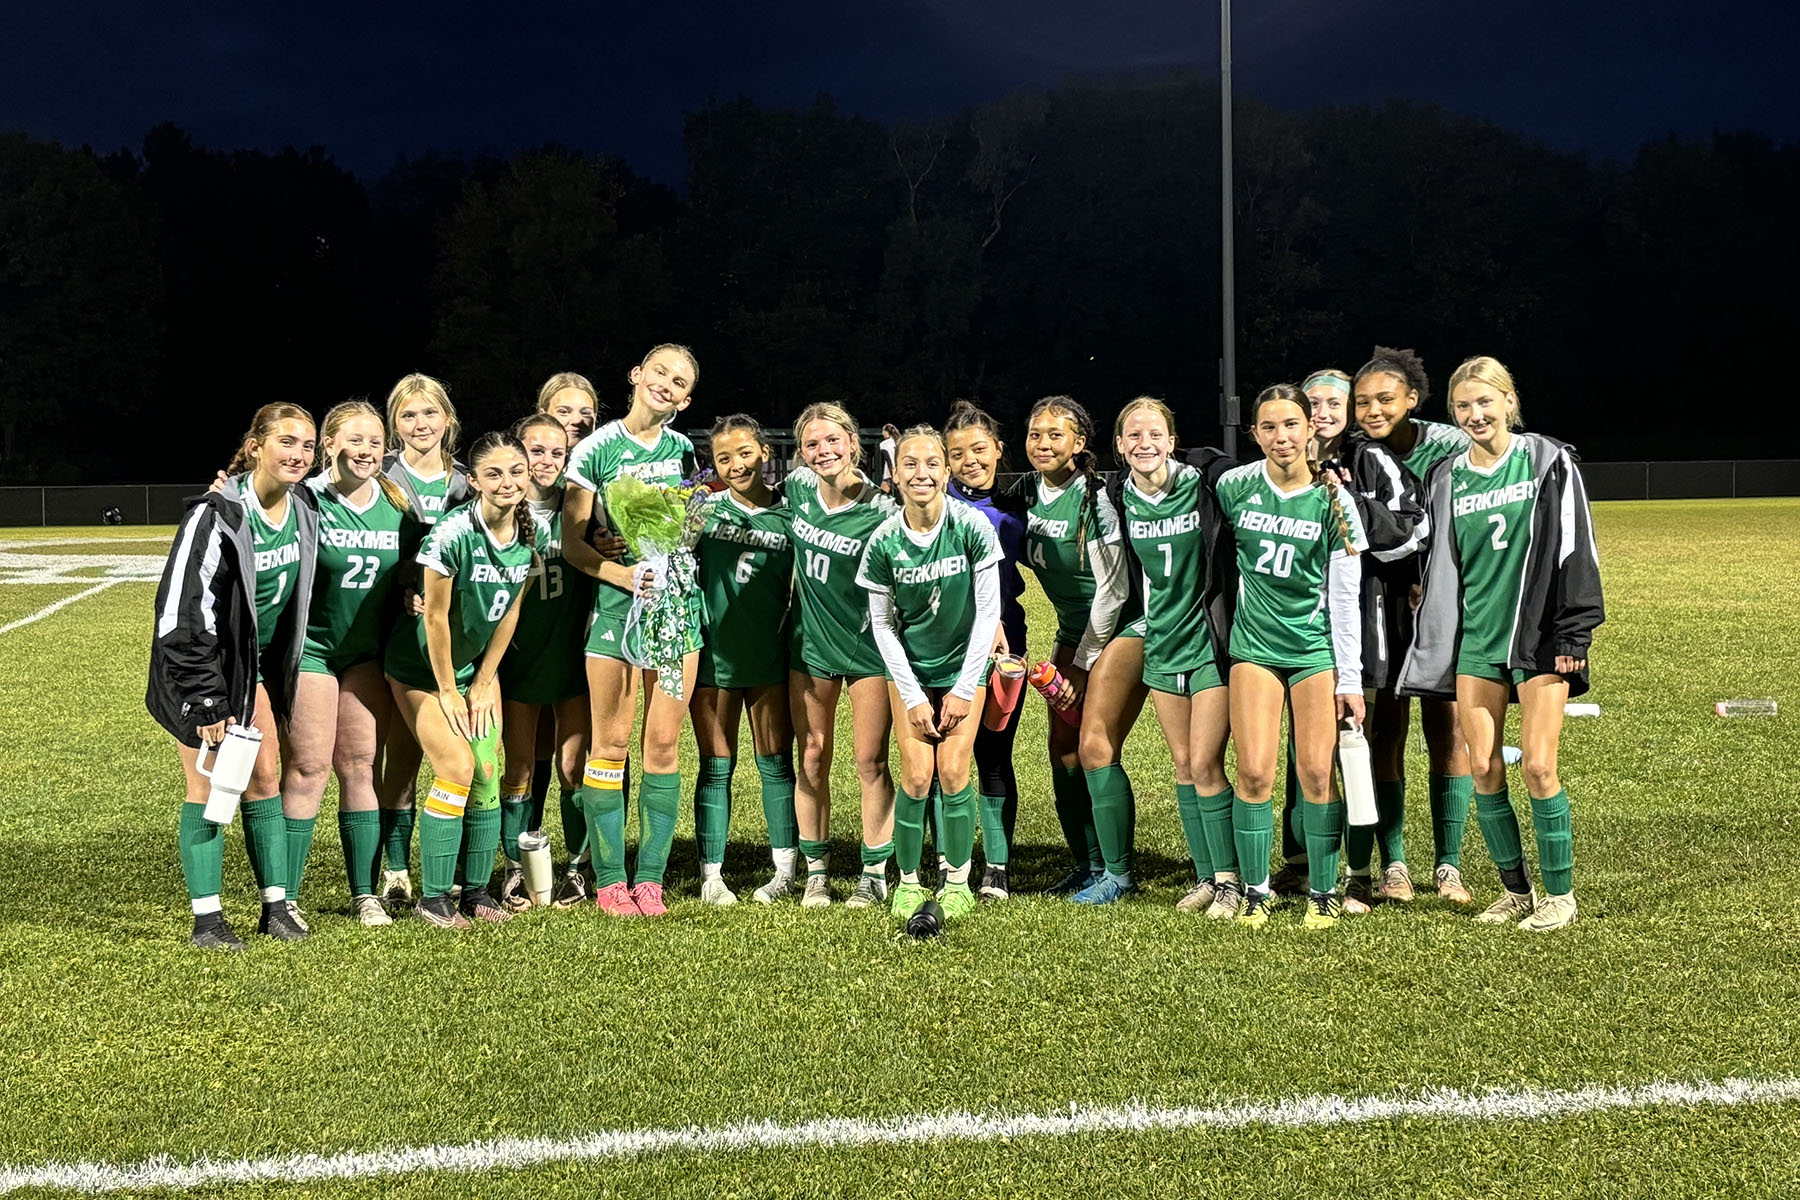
x: 534, y: 860
x: 233, y: 760
x: 1359, y: 781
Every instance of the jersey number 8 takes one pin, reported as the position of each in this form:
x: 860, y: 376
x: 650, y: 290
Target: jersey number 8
x: 498, y: 608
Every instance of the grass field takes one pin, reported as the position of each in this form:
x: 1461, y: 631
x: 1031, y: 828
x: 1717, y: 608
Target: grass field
x: 122, y: 1044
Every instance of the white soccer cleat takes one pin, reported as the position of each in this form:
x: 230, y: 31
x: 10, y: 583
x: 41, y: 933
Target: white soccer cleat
x: 1510, y: 907
x: 818, y: 892
x: 1552, y: 913
x: 716, y: 893
x: 370, y: 911
x: 780, y: 886
x: 396, y: 887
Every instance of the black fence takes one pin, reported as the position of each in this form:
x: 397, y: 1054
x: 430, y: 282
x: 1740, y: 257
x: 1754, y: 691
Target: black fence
x: 163, y: 503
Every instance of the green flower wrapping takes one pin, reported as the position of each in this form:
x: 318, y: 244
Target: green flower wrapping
x: 660, y: 524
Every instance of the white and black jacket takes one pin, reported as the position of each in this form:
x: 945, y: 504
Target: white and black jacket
x: 1389, y: 501
x: 203, y: 660
x: 1559, y: 604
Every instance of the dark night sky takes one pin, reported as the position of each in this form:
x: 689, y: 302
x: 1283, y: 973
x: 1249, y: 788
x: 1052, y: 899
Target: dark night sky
x: 368, y: 81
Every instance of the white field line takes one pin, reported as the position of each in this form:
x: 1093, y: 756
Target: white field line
x: 45, y: 611
x: 1530, y: 1104
x: 34, y: 543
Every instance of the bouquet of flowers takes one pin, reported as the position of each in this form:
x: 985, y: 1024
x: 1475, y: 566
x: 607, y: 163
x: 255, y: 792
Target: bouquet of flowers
x: 661, y: 524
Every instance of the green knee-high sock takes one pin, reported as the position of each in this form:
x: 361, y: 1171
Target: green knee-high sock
x: 659, y: 807
x: 480, y: 838
x: 1390, y: 819
x: 909, y: 833
x: 299, y: 844
x: 542, y: 772
x: 934, y: 817
x: 202, y: 846
x: 1323, y: 825
x: 958, y: 830
x: 1449, y: 813
x: 1555, y: 843
x: 995, y: 845
x: 1193, y: 829
x: 605, y: 808
x: 1075, y: 813
x: 265, y: 842
x: 1499, y: 828
x: 1221, y: 843
x: 1293, y: 823
x: 515, y: 818
x: 396, y: 837
x: 574, y: 822
x: 1253, y: 829
x: 360, y: 833
x: 1115, y: 818
x: 777, y: 774
x: 712, y: 807
x: 440, y: 845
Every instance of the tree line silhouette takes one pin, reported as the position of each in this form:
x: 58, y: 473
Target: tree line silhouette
x: 1062, y: 241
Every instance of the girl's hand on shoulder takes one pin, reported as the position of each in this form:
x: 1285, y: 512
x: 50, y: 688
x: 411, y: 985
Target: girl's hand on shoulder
x: 952, y: 713
x: 1351, y: 706
x: 456, y: 712
x: 924, y: 726
x: 218, y: 483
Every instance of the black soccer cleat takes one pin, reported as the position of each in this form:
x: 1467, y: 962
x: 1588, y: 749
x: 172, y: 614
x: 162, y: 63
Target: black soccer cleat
x: 279, y: 922
x: 927, y: 922
x: 212, y: 933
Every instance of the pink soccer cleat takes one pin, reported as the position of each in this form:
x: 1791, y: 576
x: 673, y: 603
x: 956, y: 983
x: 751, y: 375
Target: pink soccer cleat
x: 649, y: 901
x: 615, y: 901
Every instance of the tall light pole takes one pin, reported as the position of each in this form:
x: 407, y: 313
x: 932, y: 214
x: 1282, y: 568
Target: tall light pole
x: 1228, y: 397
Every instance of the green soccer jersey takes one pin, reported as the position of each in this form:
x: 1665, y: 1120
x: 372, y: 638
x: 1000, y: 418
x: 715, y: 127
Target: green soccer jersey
x: 1166, y: 536
x: 277, y: 561
x: 1285, y: 544
x: 831, y: 624
x: 1492, y: 508
x: 358, y: 551
x: 746, y: 562
x: 609, y: 453
x: 544, y: 664
x: 485, y: 575
x: 432, y: 490
x: 1053, y: 551
x: 1434, y: 442
x: 930, y: 578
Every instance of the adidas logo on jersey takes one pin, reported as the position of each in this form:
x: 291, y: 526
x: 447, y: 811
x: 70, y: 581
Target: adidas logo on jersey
x: 608, y: 636
x: 627, y: 456
x: 1254, y: 499
x: 481, y: 552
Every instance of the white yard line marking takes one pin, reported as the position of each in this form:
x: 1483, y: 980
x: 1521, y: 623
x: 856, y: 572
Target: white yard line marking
x: 33, y: 543
x: 1527, y: 1104
x: 45, y: 611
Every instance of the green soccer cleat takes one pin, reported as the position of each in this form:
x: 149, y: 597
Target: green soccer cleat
x: 956, y: 900
x: 907, y: 899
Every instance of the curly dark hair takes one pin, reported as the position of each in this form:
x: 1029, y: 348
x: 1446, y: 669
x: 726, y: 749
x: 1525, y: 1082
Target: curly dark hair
x: 1404, y: 363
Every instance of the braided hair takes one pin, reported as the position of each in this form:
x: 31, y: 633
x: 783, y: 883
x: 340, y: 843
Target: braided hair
x: 1084, y: 461
x: 489, y: 443
x: 1293, y: 395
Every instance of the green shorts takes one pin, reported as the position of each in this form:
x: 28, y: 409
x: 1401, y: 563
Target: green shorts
x: 1496, y: 672
x: 1291, y: 675
x: 312, y: 663
x: 549, y: 680
x: 606, y: 632
x: 716, y: 671
x: 1136, y: 629
x: 1203, y: 678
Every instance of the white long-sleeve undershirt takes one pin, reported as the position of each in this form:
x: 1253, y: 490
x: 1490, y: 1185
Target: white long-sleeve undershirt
x: 1110, y: 589
x: 886, y: 627
x: 1344, y: 598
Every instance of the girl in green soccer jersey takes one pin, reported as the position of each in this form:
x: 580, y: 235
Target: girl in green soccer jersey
x: 832, y: 509
x: 443, y: 669
x: 1388, y: 389
x: 231, y: 619
x: 746, y: 561
x: 571, y: 399
x: 931, y: 571
x: 542, y: 675
x: 1296, y: 619
x: 1070, y: 526
x: 422, y: 433
x: 1171, y: 521
x: 342, y: 707
x: 1511, y: 601
x: 639, y: 444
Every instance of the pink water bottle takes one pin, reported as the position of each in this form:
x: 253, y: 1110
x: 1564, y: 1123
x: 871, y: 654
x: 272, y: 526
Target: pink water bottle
x: 1049, y: 683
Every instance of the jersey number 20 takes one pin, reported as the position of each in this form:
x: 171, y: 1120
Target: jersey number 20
x: 1277, y: 558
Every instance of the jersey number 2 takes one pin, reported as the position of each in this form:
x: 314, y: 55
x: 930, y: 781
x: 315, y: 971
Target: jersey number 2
x: 1498, y: 537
